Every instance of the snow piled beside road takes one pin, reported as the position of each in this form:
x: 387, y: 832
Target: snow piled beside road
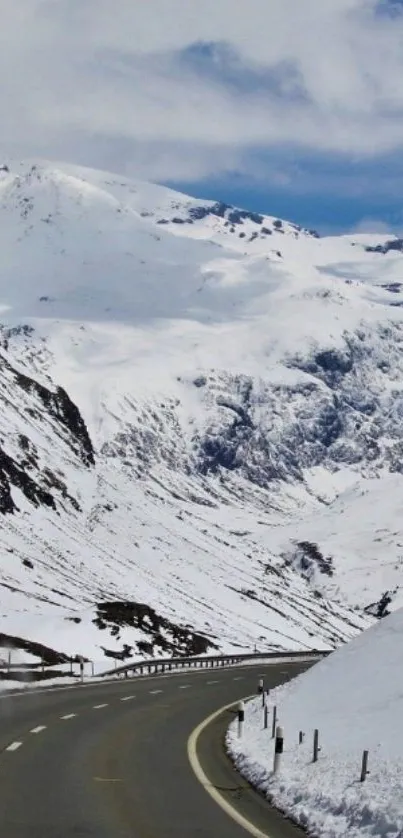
x: 355, y: 699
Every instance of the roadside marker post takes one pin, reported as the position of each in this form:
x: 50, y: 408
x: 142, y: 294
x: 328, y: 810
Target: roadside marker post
x: 364, y: 766
x: 316, y: 747
x: 274, y: 722
x: 278, y: 749
x: 241, y: 718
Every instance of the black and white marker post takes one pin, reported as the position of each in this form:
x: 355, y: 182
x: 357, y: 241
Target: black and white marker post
x: 260, y: 687
x: 278, y: 749
x: 241, y: 718
x: 274, y: 722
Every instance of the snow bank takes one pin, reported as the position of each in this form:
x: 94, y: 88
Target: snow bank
x: 355, y: 699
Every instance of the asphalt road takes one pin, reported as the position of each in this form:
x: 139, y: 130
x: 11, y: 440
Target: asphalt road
x: 111, y: 761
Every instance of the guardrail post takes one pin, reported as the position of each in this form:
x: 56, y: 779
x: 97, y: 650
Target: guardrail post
x: 301, y: 737
x: 241, y: 718
x: 278, y: 749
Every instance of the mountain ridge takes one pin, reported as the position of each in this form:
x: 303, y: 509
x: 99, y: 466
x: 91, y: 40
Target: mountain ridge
x: 231, y: 388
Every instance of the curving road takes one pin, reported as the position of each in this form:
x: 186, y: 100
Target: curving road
x: 110, y: 761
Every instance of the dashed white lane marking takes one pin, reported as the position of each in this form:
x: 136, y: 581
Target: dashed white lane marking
x: 240, y: 678
x: 184, y: 686
x: 128, y: 697
x: 69, y: 716
x: 99, y: 706
x: 38, y: 729
x: 155, y: 692
x: 211, y: 682
x: 14, y: 746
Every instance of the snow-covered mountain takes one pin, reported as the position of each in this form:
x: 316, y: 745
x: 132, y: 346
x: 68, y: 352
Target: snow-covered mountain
x: 201, y: 427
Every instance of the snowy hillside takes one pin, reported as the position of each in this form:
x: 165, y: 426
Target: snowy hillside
x: 189, y: 393
x: 355, y: 700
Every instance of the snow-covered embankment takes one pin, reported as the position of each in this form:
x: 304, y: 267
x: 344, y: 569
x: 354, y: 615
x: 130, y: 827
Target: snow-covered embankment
x: 355, y: 699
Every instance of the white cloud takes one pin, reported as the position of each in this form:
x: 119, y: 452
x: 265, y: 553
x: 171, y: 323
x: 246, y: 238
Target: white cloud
x: 374, y: 225
x: 102, y: 82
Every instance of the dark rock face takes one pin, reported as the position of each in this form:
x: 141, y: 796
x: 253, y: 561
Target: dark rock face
x: 221, y: 210
x: 393, y: 287
x: 393, y: 244
x: 341, y: 409
x: 44, y: 653
x: 11, y: 474
x: 380, y: 609
x: 165, y: 637
x: 308, y: 559
x: 234, y: 217
x: 55, y: 414
x: 337, y: 412
x: 339, y: 415
x: 59, y: 406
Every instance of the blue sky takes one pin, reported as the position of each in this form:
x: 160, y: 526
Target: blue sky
x: 293, y: 107
x: 327, y: 193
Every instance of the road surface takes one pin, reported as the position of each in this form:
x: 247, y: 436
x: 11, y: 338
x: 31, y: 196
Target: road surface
x: 111, y: 761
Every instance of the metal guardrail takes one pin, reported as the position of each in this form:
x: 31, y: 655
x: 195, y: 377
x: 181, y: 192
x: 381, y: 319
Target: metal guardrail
x: 161, y: 665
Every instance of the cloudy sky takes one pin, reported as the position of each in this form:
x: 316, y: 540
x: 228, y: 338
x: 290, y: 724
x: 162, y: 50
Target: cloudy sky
x: 294, y: 107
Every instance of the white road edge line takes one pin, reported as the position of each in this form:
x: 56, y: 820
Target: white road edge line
x: 69, y: 716
x: 203, y: 779
x: 99, y: 706
x: 14, y: 746
x: 38, y: 729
